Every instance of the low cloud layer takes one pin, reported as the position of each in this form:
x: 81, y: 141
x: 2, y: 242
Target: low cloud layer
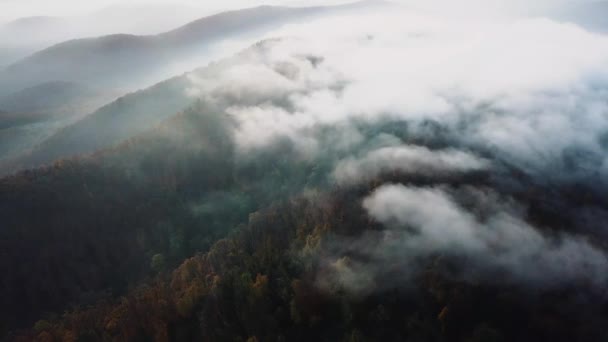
x: 415, y: 94
x: 530, y: 91
x: 428, y: 221
x: 406, y: 160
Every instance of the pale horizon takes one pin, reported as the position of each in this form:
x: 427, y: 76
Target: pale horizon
x: 11, y: 10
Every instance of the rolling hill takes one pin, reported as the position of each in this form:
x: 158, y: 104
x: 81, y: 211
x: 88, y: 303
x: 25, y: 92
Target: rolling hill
x: 74, y: 78
x: 260, y: 199
x: 34, y: 114
x: 122, y: 60
x: 112, y: 123
x: 172, y: 232
x: 44, y: 31
x: 125, y: 117
x: 55, y: 99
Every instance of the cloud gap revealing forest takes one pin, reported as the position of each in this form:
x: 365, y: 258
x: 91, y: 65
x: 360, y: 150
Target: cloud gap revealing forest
x: 332, y: 171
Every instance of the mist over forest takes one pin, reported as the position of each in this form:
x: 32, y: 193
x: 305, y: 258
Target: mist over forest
x: 368, y: 171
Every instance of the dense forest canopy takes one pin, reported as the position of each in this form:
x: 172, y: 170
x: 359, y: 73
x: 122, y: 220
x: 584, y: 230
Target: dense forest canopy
x: 434, y: 181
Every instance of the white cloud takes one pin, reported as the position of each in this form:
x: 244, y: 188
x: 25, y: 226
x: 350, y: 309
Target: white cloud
x: 415, y: 160
x: 507, y: 86
x: 422, y: 222
x: 527, y: 91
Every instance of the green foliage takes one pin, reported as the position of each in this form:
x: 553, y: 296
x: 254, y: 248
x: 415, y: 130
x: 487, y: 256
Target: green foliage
x: 42, y: 325
x: 240, y: 248
x: 158, y: 263
x: 251, y: 286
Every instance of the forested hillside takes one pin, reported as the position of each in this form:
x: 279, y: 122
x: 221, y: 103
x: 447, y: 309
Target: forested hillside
x: 387, y: 175
x: 292, y: 266
x: 32, y: 115
x: 96, y: 223
x: 279, y: 279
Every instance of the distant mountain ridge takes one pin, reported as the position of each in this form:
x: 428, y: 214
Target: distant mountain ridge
x: 50, y: 97
x: 34, y: 114
x: 35, y: 20
x: 139, y: 111
x: 119, y: 120
x: 114, y: 60
x: 42, y: 32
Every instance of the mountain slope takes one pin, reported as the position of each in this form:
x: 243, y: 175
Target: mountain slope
x: 293, y: 221
x: 172, y: 191
x: 34, y: 114
x: 119, y: 120
x: 131, y: 114
x: 43, y: 32
x: 124, y: 60
x: 78, y: 188
x: 55, y: 98
x: 262, y: 284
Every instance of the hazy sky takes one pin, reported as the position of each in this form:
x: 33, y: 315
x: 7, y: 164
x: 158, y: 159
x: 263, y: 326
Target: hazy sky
x: 11, y: 9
